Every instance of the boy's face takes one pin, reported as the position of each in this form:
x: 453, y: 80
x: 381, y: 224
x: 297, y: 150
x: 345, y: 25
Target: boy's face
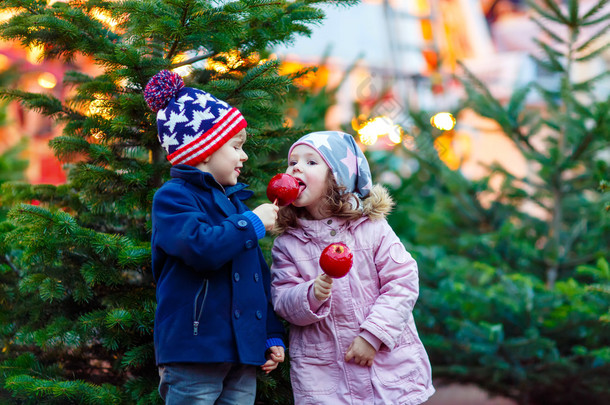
x: 225, y: 164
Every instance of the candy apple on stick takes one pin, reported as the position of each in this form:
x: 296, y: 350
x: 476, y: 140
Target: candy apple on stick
x: 283, y: 189
x: 336, y: 260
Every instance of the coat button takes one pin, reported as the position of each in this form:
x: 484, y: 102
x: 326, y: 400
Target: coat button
x: 236, y: 276
x: 330, y: 221
x: 259, y: 315
x: 242, y: 223
x: 256, y: 277
x: 237, y: 313
x: 249, y: 244
x: 333, y: 232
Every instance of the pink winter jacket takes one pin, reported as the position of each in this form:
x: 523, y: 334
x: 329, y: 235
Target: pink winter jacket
x: 375, y: 300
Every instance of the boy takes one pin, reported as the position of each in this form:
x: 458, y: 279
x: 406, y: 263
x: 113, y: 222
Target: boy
x: 214, y: 321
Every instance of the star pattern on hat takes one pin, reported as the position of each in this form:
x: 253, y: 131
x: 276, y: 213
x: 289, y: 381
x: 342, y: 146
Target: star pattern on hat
x: 221, y: 113
x: 350, y: 162
x: 203, y: 98
x: 369, y: 181
x: 319, y: 140
x: 189, y: 138
x: 169, y: 140
x: 344, y: 157
x: 183, y: 99
x: 175, y: 119
x: 198, y: 117
x: 191, y: 123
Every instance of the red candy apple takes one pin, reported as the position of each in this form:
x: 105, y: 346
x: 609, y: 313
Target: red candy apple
x: 336, y: 260
x: 283, y: 189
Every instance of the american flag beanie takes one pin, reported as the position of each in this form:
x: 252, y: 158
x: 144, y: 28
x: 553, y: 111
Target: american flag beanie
x: 191, y: 123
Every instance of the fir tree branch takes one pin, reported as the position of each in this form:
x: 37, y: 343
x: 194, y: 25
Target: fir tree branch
x: 6, y: 259
x: 185, y: 13
x: 592, y: 39
x: 597, y: 20
x: 594, y: 53
x: 594, y: 10
x: 192, y: 60
x: 547, y: 30
x: 582, y: 146
x: 572, y: 11
x: 558, y: 17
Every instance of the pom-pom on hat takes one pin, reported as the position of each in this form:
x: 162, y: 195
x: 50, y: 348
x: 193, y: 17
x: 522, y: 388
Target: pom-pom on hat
x: 344, y: 158
x: 191, y: 123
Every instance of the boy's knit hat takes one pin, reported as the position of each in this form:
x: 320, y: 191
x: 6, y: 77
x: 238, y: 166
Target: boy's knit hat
x: 191, y: 123
x: 343, y: 156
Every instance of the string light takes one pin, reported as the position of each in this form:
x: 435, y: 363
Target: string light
x: 377, y: 127
x: 9, y: 13
x: 104, y: 17
x: 182, y: 70
x: 47, y: 80
x: 443, y: 121
x: 98, y: 106
x: 232, y: 60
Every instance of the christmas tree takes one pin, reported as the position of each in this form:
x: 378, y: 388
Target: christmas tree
x: 512, y: 299
x: 83, y: 299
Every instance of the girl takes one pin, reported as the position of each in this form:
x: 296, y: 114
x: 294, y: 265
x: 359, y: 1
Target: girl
x: 353, y: 339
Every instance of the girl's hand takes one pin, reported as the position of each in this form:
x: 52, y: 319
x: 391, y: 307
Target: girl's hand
x: 274, y: 357
x: 361, y: 351
x: 322, y: 286
x: 268, y: 214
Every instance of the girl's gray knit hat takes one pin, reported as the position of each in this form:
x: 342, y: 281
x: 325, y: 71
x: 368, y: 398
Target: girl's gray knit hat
x: 343, y: 156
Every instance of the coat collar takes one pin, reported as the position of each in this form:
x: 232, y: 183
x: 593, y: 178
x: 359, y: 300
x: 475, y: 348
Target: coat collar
x: 320, y: 229
x: 206, y: 181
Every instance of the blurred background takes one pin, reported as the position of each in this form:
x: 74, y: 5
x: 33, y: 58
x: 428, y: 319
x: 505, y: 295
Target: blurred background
x: 385, y: 57
x: 488, y: 120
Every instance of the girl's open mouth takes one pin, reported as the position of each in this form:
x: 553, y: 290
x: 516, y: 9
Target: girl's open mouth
x: 302, y: 186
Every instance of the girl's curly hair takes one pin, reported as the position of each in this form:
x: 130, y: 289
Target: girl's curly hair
x: 338, y: 204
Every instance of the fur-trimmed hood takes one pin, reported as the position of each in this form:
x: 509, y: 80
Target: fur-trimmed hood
x: 375, y: 207
x: 378, y: 204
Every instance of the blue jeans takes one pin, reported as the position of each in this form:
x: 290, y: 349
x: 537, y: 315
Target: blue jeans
x: 207, y: 384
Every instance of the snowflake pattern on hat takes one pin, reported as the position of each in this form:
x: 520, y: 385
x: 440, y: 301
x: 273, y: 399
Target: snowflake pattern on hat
x: 343, y: 156
x: 191, y: 123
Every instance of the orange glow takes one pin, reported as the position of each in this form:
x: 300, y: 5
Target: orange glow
x: 313, y: 80
x: 233, y: 60
x: 426, y: 29
x: 182, y: 70
x: 4, y: 62
x: 8, y: 13
x: 104, y: 17
x: 47, y: 80
x: 99, y: 106
x: 453, y: 148
x: 431, y: 58
x: 98, y: 136
x: 34, y: 54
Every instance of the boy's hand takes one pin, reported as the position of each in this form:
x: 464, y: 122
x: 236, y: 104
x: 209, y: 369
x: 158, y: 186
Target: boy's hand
x: 267, y: 214
x: 274, y: 357
x: 322, y: 286
x: 361, y: 351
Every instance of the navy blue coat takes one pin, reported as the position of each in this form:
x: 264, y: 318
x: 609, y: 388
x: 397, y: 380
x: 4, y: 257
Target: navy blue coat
x: 213, y: 301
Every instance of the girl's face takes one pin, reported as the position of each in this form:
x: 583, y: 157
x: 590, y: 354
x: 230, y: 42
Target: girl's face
x: 308, y: 167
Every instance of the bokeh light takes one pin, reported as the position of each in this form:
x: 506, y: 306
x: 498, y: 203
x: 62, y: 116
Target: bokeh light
x: 444, y: 121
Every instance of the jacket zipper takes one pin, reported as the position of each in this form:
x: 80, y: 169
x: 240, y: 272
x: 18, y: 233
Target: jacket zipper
x: 197, y: 317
